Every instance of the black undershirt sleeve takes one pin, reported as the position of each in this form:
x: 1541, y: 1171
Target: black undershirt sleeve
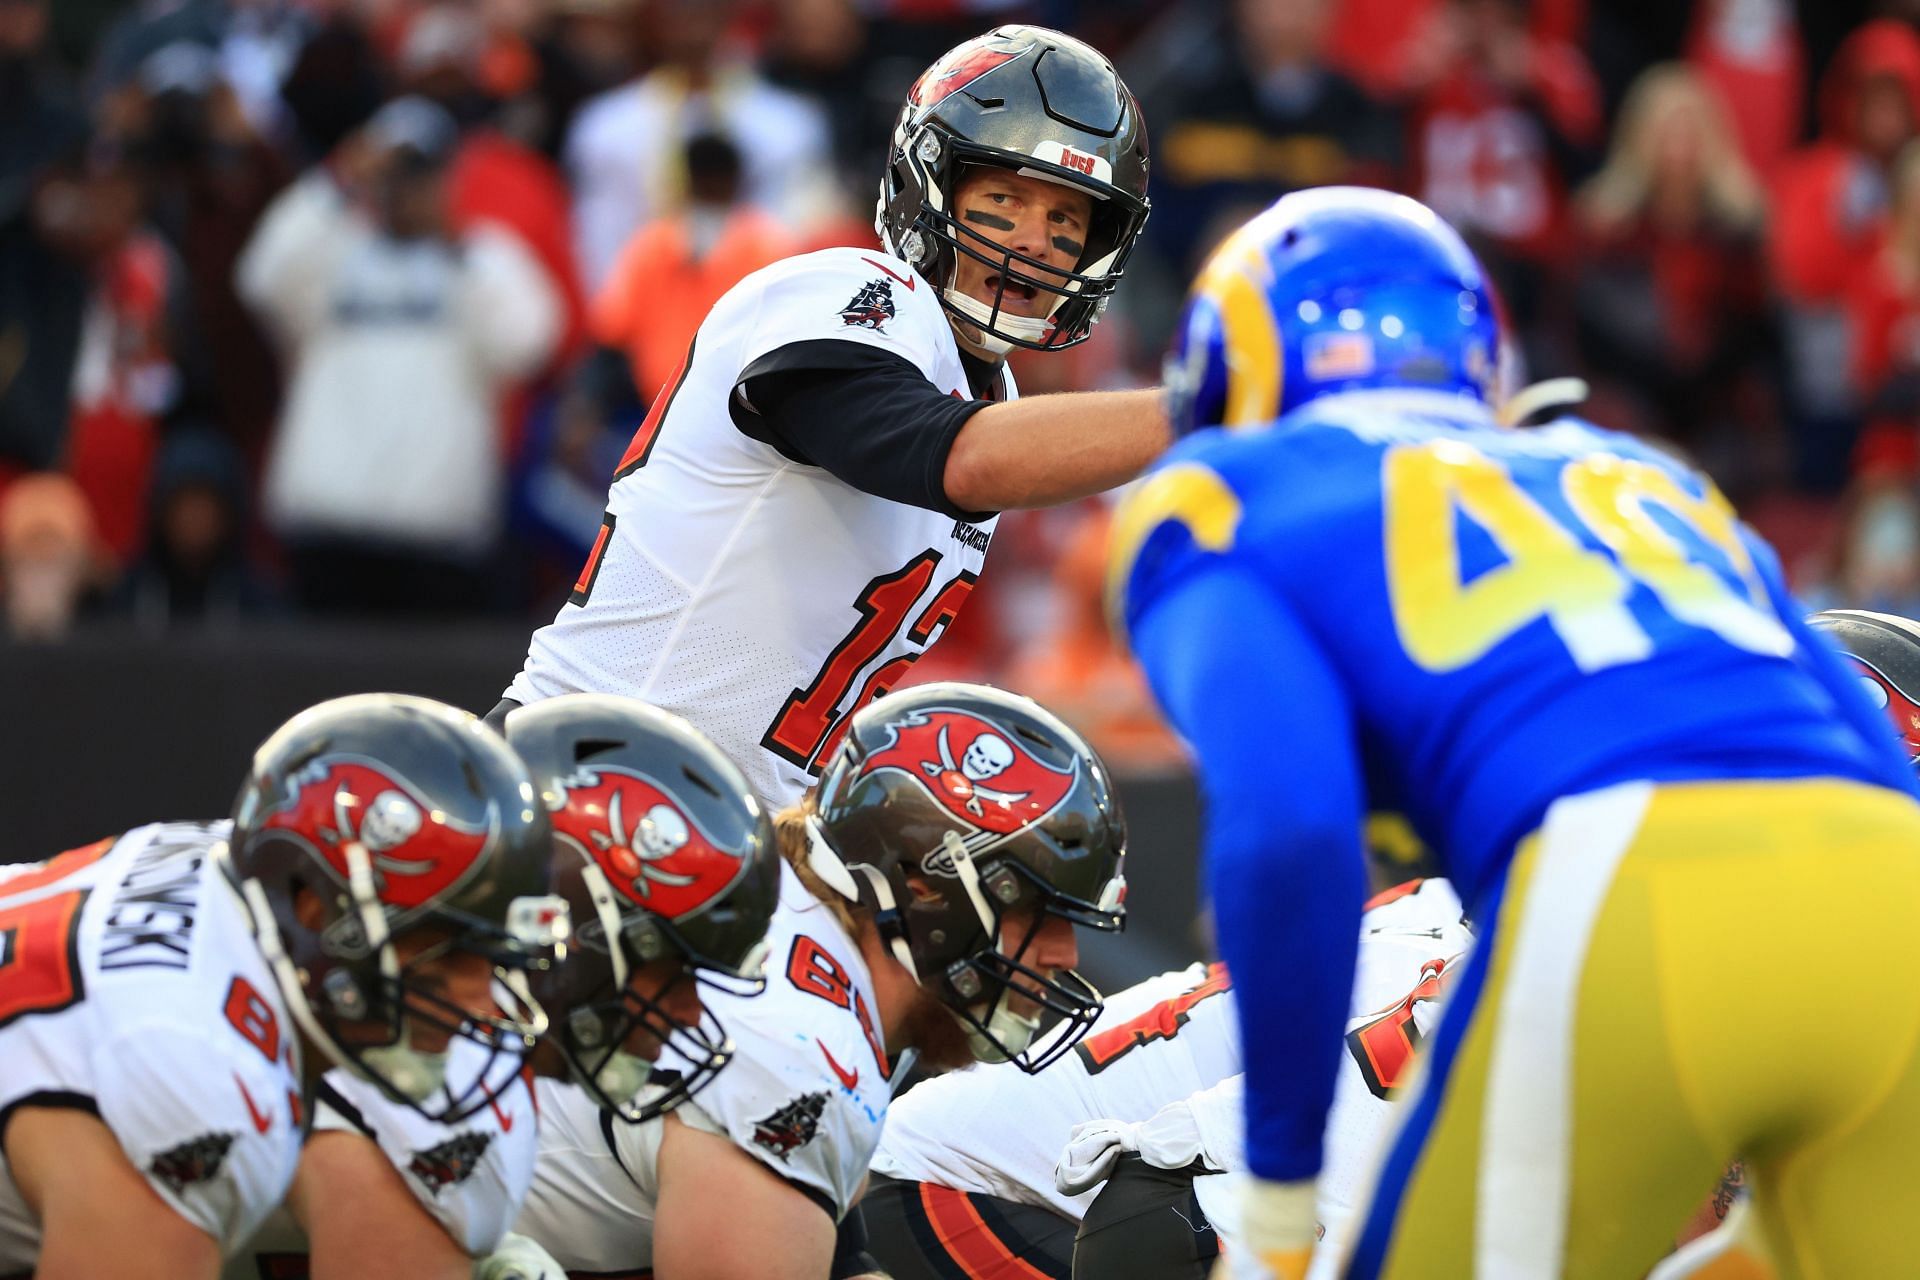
x: 866, y: 415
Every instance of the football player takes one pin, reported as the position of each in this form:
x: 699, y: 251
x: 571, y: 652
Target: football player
x: 1560, y: 654
x: 927, y: 907
x: 165, y: 994
x: 809, y: 503
x: 965, y: 1176
x: 667, y: 864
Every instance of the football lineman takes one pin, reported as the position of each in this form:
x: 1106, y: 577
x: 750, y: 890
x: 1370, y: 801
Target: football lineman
x: 667, y: 864
x: 1560, y: 654
x: 927, y: 907
x: 809, y: 503
x: 164, y: 994
x: 965, y: 1176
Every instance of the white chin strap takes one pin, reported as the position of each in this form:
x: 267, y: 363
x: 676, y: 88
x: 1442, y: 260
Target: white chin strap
x: 408, y: 1071
x: 623, y: 1075
x: 976, y: 335
x: 1015, y: 1033
x: 839, y: 877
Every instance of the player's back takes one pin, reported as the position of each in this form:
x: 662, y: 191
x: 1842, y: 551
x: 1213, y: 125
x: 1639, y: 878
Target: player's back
x: 1512, y: 616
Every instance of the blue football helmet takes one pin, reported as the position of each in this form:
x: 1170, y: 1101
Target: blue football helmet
x: 1331, y: 289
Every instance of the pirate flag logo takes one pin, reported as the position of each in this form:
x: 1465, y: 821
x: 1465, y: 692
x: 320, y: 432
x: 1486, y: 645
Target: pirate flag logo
x: 980, y: 775
x: 650, y: 849
x: 871, y: 307
x: 451, y: 1162
x: 417, y: 850
x: 193, y: 1161
x: 792, y: 1126
x: 958, y: 69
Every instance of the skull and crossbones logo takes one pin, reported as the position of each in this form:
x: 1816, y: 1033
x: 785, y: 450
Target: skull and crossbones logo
x: 987, y: 757
x: 660, y: 833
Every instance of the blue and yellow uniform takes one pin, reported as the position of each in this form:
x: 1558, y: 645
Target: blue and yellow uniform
x: 1559, y: 654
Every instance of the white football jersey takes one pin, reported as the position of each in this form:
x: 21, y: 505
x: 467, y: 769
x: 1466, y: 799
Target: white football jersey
x: 133, y: 988
x: 763, y: 599
x: 470, y: 1177
x: 996, y: 1131
x: 805, y: 1095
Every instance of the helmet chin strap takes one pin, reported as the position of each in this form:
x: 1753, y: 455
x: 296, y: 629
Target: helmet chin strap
x: 623, y: 1075
x: 1012, y: 1032
x: 1030, y: 328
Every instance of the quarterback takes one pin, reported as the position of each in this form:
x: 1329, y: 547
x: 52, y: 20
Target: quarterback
x: 164, y: 993
x: 927, y: 908
x: 809, y: 503
x: 1559, y: 653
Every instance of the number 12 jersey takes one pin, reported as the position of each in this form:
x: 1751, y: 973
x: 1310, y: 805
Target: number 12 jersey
x: 760, y: 597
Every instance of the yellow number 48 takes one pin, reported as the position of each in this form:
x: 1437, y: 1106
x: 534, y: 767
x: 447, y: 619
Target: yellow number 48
x: 1446, y: 623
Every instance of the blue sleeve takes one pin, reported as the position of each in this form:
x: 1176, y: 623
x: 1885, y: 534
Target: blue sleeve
x: 1269, y: 722
x: 1824, y: 663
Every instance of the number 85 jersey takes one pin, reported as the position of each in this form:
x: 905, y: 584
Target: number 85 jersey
x: 131, y: 987
x: 752, y: 592
x: 1493, y: 618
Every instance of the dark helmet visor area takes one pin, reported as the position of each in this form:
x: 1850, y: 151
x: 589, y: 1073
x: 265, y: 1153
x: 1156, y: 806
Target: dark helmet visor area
x: 980, y: 984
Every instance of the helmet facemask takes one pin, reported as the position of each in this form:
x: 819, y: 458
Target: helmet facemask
x: 603, y: 1008
x: 350, y: 992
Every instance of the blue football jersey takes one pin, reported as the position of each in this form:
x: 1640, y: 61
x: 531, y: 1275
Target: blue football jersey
x: 1385, y: 601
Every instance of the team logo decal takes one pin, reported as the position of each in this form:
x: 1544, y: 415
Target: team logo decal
x: 1902, y: 710
x: 418, y: 851
x: 792, y: 1126
x: 956, y: 71
x: 871, y: 308
x: 193, y: 1161
x: 978, y: 774
x: 649, y: 848
x: 450, y: 1163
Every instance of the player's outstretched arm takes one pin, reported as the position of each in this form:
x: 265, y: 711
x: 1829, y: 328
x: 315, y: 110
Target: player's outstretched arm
x: 98, y: 1215
x: 1045, y: 450
x: 722, y: 1215
x: 361, y: 1220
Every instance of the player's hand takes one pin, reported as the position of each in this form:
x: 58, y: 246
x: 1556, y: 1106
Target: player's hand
x: 518, y: 1258
x: 1278, y: 1224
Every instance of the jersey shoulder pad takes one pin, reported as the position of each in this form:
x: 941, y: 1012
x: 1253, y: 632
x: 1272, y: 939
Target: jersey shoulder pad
x: 1187, y: 508
x: 215, y: 1131
x: 470, y: 1177
x: 850, y: 295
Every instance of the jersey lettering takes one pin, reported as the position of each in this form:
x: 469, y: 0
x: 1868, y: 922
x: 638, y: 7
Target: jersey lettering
x: 1160, y: 1022
x: 1551, y: 570
x: 812, y: 720
x: 583, y: 585
x: 253, y: 1018
x: 39, y: 955
x: 813, y: 970
x: 1383, y: 1048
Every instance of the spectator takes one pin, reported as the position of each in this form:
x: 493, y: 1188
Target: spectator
x: 1830, y: 201
x: 42, y: 293
x: 1670, y: 295
x: 195, y: 568
x: 1503, y: 121
x: 675, y: 268
x: 48, y: 565
x: 625, y: 150
x: 1884, y: 318
x: 1268, y: 117
x: 384, y: 480
x: 1749, y: 53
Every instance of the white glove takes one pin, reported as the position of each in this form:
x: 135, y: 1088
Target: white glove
x: 1168, y: 1139
x: 518, y: 1258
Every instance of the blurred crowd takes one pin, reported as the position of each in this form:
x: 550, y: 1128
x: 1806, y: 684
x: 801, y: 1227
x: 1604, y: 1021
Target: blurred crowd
x: 323, y: 307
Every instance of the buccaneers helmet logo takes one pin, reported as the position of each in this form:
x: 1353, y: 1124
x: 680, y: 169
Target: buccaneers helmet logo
x: 649, y: 848
x: 956, y: 71
x: 417, y: 849
x: 977, y: 773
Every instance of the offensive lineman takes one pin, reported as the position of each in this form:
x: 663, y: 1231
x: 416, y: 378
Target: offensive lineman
x: 1559, y: 653
x: 809, y: 503
x: 667, y: 864
x: 927, y: 907
x: 166, y: 991
x: 966, y: 1171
